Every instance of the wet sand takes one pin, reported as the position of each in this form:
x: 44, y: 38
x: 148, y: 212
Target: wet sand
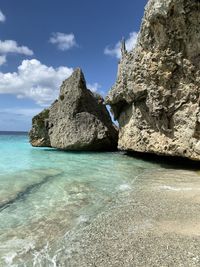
x: 155, y: 224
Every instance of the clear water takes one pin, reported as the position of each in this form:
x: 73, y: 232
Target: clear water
x: 44, y: 193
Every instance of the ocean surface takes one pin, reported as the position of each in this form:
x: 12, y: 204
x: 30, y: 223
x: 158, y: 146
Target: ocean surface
x: 45, y: 194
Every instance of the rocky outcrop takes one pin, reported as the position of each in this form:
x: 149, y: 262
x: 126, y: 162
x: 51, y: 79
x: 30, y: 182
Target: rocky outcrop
x: 39, y: 134
x: 78, y: 120
x: 157, y: 93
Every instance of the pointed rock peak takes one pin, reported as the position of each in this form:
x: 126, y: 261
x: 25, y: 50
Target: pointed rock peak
x: 76, y: 80
x: 78, y: 71
x: 79, y: 77
x: 78, y: 74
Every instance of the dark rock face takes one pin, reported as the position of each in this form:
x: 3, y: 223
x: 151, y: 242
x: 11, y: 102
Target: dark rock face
x: 39, y: 133
x: 157, y: 93
x: 78, y: 120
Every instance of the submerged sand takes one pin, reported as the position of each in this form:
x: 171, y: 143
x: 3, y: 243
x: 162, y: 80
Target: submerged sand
x: 155, y: 224
x: 152, y: 221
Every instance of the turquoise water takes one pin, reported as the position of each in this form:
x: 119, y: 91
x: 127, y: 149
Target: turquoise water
x: 44, y: 193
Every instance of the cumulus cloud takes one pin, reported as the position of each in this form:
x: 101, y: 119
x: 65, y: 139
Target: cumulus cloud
x: 115, y: 50
x: 94, y: 87
x: 11, y: 47
x: 2, y: 17
x: 34, y: 80
x: 63, y: 41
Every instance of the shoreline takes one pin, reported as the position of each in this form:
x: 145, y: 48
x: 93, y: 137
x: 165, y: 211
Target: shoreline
x: 120, y: 211
x: 149, y: 226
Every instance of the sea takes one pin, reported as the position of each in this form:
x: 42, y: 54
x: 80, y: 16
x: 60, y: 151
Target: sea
x: 47, y: 194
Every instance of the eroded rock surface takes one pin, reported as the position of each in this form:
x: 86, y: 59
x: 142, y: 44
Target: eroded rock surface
x: 157, y: 93
x: 39, y: 134
x: 78, y: 120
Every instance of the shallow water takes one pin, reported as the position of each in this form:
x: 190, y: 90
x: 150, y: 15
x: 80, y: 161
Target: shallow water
x: 53, y: 204
x: 44, y: 193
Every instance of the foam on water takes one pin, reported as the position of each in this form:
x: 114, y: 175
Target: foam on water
x: 45, y: 194
x: 124, y: 187
x: 173, y: 188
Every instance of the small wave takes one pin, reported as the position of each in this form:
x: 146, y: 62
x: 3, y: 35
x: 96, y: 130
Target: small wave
x: 82, y: 219
x: 124, y: 187
x: 43, y: 256
x: 8, y: 259
x: 172, y: 188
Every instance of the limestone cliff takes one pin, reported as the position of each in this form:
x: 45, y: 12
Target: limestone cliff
x: 78, y: 120
x: 157, y: 93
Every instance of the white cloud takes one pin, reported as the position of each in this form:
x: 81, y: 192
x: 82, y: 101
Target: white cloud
x: 34, y: 80
x: 94, y: 87
x: 2, y: 17
x: 63, y: 41
x: 2, y: 60
x: 116, y: 49
x: 10, y: 46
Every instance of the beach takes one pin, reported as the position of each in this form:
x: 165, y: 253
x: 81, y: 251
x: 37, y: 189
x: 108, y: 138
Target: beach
x: 96, y: 209
x: 154, y: 225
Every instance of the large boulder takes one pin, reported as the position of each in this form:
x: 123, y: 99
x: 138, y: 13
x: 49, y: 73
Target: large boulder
x: 157, y: 93
x: 78, y: 120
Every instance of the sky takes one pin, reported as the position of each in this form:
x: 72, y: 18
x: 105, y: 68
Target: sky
x: 42, y: 41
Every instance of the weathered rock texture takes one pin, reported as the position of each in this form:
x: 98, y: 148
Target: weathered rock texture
x: 78, y: 120
x: 157, y: 93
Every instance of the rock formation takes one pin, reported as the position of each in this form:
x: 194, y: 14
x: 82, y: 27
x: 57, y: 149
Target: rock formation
x: 157, y: 93
x: 78, y: 120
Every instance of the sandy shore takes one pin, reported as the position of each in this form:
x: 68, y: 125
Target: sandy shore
x: 155, y: 224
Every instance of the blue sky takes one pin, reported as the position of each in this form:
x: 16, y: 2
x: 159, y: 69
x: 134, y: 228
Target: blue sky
x: 42, y: 41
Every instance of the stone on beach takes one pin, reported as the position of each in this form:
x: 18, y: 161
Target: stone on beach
x: 78, y: 120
